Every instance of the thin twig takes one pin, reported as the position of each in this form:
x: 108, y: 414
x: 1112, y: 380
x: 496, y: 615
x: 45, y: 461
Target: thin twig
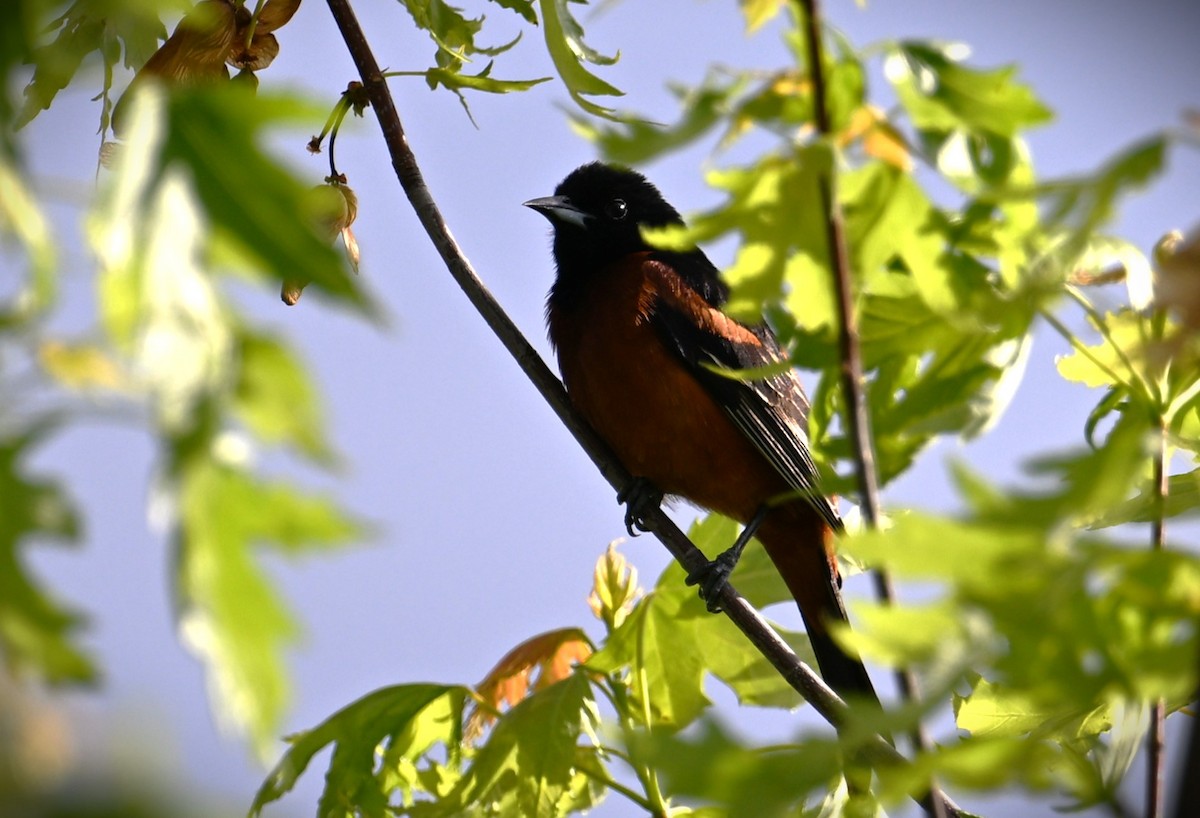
x: 1155, y: 737
x: 795, y: 672
x: 858, y: 419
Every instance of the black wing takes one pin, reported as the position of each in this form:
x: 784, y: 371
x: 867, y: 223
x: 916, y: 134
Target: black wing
x: 771, y: 411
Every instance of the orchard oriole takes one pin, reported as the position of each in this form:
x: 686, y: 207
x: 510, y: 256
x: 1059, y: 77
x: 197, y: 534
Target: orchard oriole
x: 639, y: 332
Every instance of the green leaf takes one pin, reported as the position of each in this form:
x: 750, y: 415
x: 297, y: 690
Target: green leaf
x: 275, y: 397
x: 529, y: 758
x: 636, y: 141
x: 232, y: 616
x: 85, y: 27
x: 568, y: 51
x: 521, y: 7
x: 356, y: 731
x: 666, y: 669
x: 941, y: 94
x: 36, y: 632
x: 482, y: 81
x: 714, y: 767
x: 1087, y: 202
x: 453, y: 33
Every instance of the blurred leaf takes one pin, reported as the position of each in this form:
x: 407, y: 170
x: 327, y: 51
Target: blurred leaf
x: 942, y: 94
x: 714, y: 767
x: 759, y: 12
x: 356, y: 731
x: 81, y: 366
x: 634, y: 141
x: 1087, y: 202
x: 158, y: 306
x: 21, y: 218
x: 973, y: 763
x: 232, y: 616
x: 36, y: 633
x: 990, y: 710
x: 1182, y: 500
x: 568, y: 51
x: 528, y: 761
x: 79, y: 34
x: 275, y: 396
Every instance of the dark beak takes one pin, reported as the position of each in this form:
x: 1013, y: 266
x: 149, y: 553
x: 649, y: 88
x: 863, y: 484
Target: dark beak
x: 559, y: 210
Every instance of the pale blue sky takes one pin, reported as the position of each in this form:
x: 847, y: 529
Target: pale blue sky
x: 490, y: 517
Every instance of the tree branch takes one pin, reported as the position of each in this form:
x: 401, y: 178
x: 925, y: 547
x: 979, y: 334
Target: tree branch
x: 858, y: 418
x: 797, y: 674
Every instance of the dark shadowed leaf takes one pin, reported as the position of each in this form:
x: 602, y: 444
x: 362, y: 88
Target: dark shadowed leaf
x: 37, y: 633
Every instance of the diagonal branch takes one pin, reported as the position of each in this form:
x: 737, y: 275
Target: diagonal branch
x: 797, y: 674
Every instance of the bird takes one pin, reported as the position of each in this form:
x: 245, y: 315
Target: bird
x: 658, y: 369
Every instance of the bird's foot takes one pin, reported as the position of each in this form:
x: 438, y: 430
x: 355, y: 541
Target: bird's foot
x: 640, y: 497
x: 711, y: 580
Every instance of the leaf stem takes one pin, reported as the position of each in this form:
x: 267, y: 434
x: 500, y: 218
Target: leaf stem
x: 795, y: 672
x: 1156, y: 736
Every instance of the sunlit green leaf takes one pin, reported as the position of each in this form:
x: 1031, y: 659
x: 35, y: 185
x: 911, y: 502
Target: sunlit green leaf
x: 529, y: 756
x: 356, y: 731
x: 37, y: 633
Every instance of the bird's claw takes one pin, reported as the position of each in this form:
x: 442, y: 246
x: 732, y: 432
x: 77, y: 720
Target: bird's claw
x: 640, y: 497
x: 711, y: 580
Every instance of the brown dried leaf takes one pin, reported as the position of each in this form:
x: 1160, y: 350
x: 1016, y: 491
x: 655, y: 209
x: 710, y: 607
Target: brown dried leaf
x: 539, y: 661
x: 275, y: 15
x: 193, y: 54
x: 336, y: 207
x: 263, y: 50
x: 1177, y: 285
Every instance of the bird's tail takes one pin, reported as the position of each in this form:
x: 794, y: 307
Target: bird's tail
x: 800, y: 544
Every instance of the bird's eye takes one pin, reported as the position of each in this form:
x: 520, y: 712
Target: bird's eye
x: 616, y: 209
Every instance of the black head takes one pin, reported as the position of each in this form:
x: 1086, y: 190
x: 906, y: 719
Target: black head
x: 597, y: 213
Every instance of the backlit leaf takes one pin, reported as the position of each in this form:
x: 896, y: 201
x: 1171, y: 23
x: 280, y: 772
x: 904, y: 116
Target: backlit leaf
x: 356, y: 731
x: 568, y: 51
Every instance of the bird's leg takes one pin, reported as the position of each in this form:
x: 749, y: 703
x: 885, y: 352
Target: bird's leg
x: 712, y: 578
x: 639, y: 497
